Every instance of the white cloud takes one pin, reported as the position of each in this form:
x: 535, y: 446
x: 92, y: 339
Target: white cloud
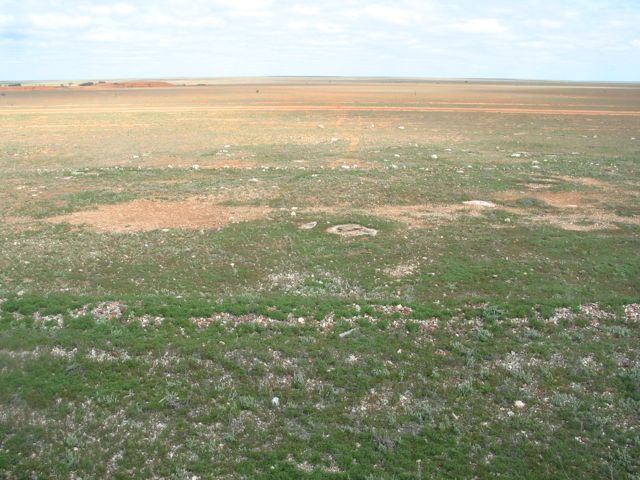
x: 208, y: 21
x: 533, y: 44
x: 384, y: 13
x: 59, y: 21
x: 302, y: 9
x: 109, y: 9
x: 547, y: 23
x: 6, y: 20
x: 297, y: 25
x: 412, y: 37
x: 479, y: 25
x: 245, y: 5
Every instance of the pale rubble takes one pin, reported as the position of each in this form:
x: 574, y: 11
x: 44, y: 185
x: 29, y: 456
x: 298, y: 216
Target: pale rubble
x: 111, y: 310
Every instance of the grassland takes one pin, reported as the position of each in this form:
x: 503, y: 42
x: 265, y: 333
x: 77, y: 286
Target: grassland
x: 164, y: 315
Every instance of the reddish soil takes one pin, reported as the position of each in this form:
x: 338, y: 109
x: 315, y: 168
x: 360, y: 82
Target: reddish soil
x: 146, y: 215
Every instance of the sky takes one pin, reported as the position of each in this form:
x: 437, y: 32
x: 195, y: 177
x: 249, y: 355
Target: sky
x: 533, y: 39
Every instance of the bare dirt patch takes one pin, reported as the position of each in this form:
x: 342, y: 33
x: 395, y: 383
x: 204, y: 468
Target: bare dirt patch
x: 555, y: 199
x: 401, y: 270
x: 146, y: 215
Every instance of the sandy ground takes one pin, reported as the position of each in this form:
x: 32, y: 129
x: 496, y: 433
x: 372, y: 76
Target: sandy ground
x: 309, y: 123
x: 500, y: 97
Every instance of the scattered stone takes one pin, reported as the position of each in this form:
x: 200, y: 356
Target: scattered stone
x: 391, y: 309
x: 352, y: 230
x: 308, y: 226
x: 519, y: 404
x: 480, y: 203
x: 80, y: 312
x: 275, y: 401
x: 196, y: 167
x: 632, y: 313
x: 109, y: 310
x: 434, y: 157
x: 401, y: 127
x: 49, y: 320
x: 402, y: 270
x: 147, y: 320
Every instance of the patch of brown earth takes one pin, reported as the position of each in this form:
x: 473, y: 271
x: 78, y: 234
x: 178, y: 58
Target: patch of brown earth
x: 593, y: 219
x: 146, y: 215
x: 555, y: 199
x: 587, y: 181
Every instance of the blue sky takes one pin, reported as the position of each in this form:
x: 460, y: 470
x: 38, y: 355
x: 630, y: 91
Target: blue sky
x: 75, y: 39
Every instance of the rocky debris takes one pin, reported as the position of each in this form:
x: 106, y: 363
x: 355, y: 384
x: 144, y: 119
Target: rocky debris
x: 98, y: 355
x: 519, y: 404
x: 519, y: 154
x: 595, y: 313
x: 632, y: 313
x: 402, y: 270
x: 109, y: 310
x: 80, y: 312
x: 147, y: 320
x: 591, y: 311
x: 391, y: 309
x: 434, y: 157
x: 480, y: 203
x: 308, y: 226
x: 275, y: 402
x: 44, y: 320
x: 228, y: 318
x: 352, y: 230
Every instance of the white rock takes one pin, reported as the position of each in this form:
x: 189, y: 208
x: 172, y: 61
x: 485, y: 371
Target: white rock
x: 275, y: 401
x: 308, y: 226
x: 519, y: 404
x: 480, y: 203
x: 196, y: 167
x: 401, y: 127
x: 434, y: 157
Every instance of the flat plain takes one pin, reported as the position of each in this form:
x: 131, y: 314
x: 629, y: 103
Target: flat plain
x: 320, y: 277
